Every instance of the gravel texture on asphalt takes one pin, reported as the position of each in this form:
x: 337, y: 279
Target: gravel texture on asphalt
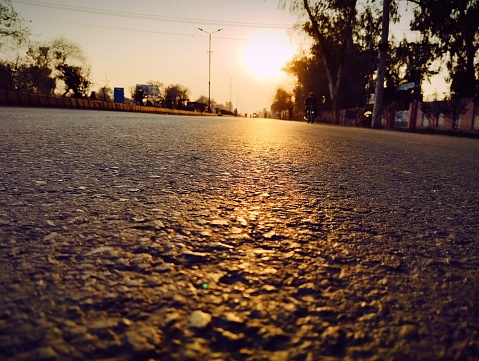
x: 144, y: 237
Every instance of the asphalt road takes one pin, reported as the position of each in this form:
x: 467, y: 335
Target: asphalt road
x: 129, y: 236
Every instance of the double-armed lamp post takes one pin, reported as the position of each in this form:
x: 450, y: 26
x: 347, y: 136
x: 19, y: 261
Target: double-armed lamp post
x: 209, y: 65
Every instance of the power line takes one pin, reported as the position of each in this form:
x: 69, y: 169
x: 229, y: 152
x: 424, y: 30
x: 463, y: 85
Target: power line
x: 120, y: 28
x: 186, y: 25
x: 168, y: 19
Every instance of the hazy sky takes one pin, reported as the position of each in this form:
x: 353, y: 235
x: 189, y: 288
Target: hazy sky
x: 132, y: 42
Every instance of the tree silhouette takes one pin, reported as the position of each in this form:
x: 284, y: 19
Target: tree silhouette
x: 454, y: 26
x: 453, y: 109
x: 340, y: 30
x: 75, y: 79
x: 174, y: 95
x: 432, y: 111
x: 12, y: 25
x: 282, y: 101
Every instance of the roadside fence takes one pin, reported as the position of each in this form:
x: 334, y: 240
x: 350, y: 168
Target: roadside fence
x: 10, y: 98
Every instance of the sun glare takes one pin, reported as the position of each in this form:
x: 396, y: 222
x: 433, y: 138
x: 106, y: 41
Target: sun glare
x: 266, y: 55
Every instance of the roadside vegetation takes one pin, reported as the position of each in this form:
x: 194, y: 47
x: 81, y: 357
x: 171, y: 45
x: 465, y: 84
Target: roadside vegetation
x: 340, y: 67
x: 59, y: 67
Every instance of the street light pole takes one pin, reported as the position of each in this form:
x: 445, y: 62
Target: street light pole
x: 209, y: 64
x: 231, y: 87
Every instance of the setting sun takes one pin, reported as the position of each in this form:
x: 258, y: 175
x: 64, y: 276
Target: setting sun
x: 266, y: 55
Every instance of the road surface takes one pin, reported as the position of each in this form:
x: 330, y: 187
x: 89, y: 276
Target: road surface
x: 129, y: 236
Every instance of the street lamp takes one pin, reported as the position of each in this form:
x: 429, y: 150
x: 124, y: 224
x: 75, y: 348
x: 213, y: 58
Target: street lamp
x: 209, y: 65
x: 231, y: 86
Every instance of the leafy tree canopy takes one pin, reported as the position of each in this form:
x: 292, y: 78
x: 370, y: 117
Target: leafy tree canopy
x: 76, y: 80
x: 454, y: 27
x: 174, y: 95
x: 12, y: 25
x: 341, y: 30
x: 282, y: 101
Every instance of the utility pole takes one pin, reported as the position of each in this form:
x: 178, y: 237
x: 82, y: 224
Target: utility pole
x: 231, y: 87
x: 383, y: 50
x: 209, y: 65
x: 237, y: 101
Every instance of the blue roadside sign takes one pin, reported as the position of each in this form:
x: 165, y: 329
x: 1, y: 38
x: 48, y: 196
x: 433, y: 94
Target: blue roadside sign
x: 119, y: 95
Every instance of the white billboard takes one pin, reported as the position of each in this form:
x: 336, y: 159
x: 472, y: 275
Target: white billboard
x: 149, y: 91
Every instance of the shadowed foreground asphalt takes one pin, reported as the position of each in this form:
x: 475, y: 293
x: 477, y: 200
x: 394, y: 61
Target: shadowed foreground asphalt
x: 143, y: 237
